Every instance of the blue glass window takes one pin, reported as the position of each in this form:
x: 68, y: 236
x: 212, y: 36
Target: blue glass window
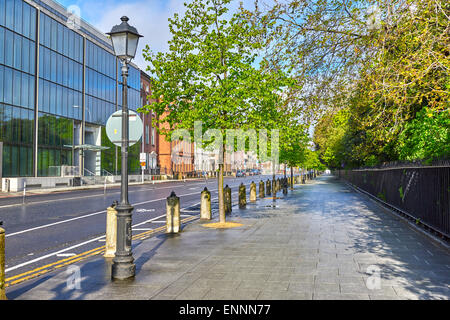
x: 60, y: 42
x: 32, y: 23
x: 71, y: 44
x: 31, y: 56
x: 26, y: 20
x: 16, y: 88
x: 9, y: 14
x: 47, y: 30
x: 18, y: 17
x: 41, y: 94
x: 66, y: 41
x: 47, y: 67
x: 76, y: 47
x: 53, y: 98
x: 26, y: 54
x: 53, y: 70
x: 25, y: 92
x: 9, y: 48
x: 2, y: 72
x: 17, y: 51
x: 70, y: 104
x: 70, y: 74
x: 2, y: 12
x: 31, y: 86
x: 59, y: 68
x: 2, y: 44
x: 53, y: 34
x: 59, y: 106
x: 46, y: 96
x: 65, y: 72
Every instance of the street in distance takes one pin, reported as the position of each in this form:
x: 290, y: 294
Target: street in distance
x: 238, y: 309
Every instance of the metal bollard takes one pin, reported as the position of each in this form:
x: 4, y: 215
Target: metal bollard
x: 285, y: 186
x: 278, y: 184
x: 253, y: 192
x: 173, y: 213
x: 242, y: 196
x: 261, y: 189
x: 2, y: 263
x: 205, y: 205
x: 227, y: 199
x: 111, y: 231
x: 268, y: 187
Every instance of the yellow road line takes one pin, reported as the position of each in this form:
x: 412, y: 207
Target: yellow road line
x: 28, y: 275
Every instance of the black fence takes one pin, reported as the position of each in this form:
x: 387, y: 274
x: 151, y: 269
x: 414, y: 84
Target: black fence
x: 419, y: 191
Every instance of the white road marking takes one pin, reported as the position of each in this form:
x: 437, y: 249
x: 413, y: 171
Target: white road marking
x: 65, y: 254
x: 85, y: 216
x: 143, y: 229
x: 51, y: 254
x: 82, y: 243
x: 86, y: 196
x: 145, y: 210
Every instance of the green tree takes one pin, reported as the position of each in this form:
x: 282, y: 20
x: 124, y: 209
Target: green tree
x: 209, y: 75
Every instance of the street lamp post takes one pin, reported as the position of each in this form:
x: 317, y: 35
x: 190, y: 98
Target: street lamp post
x: 125, y: 39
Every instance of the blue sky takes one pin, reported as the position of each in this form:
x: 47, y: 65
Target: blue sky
x: 148, y: 16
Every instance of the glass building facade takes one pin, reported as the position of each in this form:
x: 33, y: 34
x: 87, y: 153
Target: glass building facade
x: 58, y: 87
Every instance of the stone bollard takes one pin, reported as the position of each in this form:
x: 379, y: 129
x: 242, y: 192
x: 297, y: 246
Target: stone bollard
x: 227, y: 199
x: 285, y: 187
x: 268, y: 188
x: 278, y: 184
x: 2, y: 263
x: 261, y: 189
x: 274, y: 188
x: 242, y: 196
x: 253, y: 192
x: 205, y: 205
x: 111, y: 231
x: 173, y: 213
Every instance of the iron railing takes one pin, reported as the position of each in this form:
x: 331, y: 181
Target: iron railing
x: 420, y: 191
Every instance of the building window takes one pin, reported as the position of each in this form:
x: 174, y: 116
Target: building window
x: 147, y: 133
x: 153, y: 136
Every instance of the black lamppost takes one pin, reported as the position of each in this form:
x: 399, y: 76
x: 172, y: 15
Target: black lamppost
x: 125, y: 39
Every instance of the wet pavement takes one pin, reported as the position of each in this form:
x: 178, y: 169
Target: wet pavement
x: 321, y: 241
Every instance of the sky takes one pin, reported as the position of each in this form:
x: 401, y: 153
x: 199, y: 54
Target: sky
x: 150, y: 17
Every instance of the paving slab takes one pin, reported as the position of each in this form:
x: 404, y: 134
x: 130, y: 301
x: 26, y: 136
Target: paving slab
x: 321, y: 241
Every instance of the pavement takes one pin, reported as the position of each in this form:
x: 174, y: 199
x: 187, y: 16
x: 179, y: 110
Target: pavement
x: 321, y: 241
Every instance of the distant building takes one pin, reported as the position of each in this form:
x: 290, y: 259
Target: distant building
x: 150, y: 136
x: 175, y: 163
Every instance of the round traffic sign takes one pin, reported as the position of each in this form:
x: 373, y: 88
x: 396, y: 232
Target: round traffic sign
x: 114, y: 128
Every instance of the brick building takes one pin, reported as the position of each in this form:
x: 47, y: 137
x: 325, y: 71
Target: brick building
x: 165, y: 161
x: 150, y: 136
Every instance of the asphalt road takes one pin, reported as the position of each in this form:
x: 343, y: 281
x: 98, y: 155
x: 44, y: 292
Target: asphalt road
x: 51, y: 226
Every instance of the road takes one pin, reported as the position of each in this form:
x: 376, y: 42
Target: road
x: 50, y: 227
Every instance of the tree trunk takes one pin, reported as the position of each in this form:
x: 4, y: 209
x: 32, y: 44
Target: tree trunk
x: 220, y: 189
x: 292, y: 177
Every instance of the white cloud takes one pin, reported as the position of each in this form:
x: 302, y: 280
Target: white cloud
x: 148, y: 16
